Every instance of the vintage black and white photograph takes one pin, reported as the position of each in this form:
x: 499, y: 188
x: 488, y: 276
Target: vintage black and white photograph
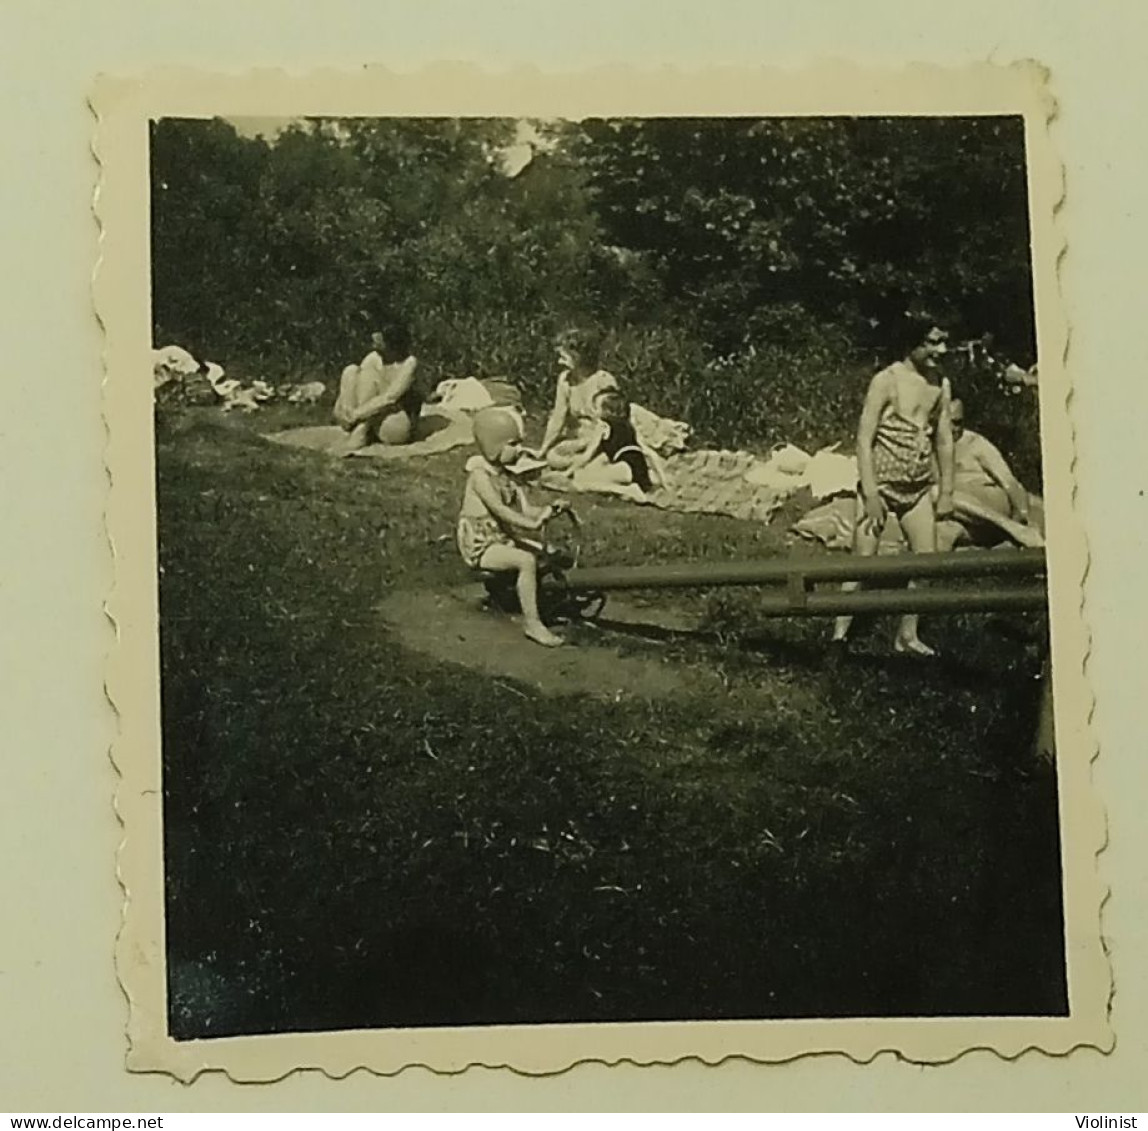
x: 601, y: 572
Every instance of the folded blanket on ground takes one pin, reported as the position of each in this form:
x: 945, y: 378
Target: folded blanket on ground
x: 704, y: 482
x: 789, y: 469
x: 833, y: 523
x: 659, y: 433
x: 740, y: 484
x: 439, y: 430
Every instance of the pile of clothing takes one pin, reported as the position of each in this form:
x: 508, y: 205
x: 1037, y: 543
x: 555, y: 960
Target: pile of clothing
x: 471, y: 394
x: 660, y: 434
x: 834, y: 522
x: 179, y: 379
x: 789, y: 469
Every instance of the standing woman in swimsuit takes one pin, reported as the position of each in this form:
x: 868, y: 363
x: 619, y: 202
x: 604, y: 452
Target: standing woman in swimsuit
x: 574, y: 420
x: 904, y: 444
x: 379, y: 401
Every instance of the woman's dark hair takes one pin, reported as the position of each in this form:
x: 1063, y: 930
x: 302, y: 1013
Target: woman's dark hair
x: 584, y: 344
x: 396, y: 341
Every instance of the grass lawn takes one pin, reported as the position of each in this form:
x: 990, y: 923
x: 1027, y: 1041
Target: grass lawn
x: 358, y: 835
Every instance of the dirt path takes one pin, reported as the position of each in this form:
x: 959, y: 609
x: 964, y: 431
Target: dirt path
x: 453, y: 627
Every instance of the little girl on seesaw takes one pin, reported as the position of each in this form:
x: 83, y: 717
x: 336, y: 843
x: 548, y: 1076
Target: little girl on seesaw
x: 496, y: 521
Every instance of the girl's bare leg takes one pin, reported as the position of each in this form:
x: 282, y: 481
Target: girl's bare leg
x: 348, y: 399
x: 500, y: 559
x: 865, y: 541
x: 355, y: 388
x: 602, y: 475
x: 920, y: 526
x: 564, y: 453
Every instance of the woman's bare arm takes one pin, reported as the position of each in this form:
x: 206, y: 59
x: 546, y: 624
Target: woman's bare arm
x: 875, y: 401
x: 398, y: 388
x: 587, y: 454
x: 997, y: 469
x: 943, y: 441
x: 558, y: 416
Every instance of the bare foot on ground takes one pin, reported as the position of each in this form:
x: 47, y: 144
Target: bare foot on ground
x: 540, y: 634
x: 357, y: 439
x: 913, y: 647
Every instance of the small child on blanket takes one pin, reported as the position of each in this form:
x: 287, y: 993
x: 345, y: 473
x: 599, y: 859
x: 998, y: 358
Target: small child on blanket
x: 496, y: 520
x: 615, y: 459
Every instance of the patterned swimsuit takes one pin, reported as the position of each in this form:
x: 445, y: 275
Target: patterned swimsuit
x: 902, y: 461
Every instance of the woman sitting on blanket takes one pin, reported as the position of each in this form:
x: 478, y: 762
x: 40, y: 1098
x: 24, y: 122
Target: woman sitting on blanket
x: 379, y: 401
x: 575, y: 419
x: 614, y: 458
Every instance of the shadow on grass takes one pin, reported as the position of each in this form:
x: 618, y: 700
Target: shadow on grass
x: 359, y: 836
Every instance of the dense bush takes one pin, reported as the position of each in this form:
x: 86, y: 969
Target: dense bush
x: 748, y: 273
x: 854, y: 221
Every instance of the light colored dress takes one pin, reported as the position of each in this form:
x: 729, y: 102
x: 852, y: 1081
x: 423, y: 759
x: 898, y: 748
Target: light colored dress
x: 582, y: 398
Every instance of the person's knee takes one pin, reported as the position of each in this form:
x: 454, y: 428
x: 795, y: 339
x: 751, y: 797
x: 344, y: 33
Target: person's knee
x: 394, y: 429
x: 559, y: 459
x: 514, y: 560
x: 919, y: 526
x: 922, y: 541
x: 948, y: 535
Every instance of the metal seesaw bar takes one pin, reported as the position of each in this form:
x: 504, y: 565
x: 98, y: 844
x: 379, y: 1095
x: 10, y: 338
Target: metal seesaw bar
x: 998, y: 599
x: 899, y: 567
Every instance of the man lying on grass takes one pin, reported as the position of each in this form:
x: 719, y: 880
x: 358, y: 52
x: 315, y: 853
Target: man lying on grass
x: 988, y: 499
x: 496, y: 520
x: 904, y: 442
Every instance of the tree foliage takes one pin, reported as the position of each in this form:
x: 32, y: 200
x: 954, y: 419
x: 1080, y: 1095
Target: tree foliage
x: 747, y: 272
x: 765, y: 226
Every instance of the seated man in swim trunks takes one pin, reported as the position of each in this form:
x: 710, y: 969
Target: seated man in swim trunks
x: 378, y: 400
x: 989, y: 503
x: 904, y: 442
